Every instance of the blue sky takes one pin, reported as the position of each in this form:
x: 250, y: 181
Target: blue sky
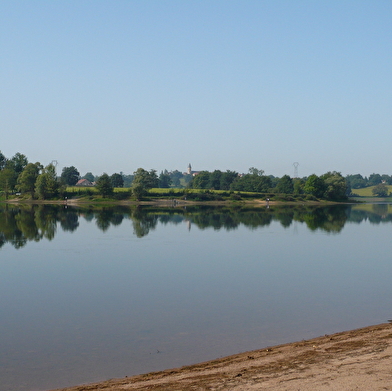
x: 110, y: 86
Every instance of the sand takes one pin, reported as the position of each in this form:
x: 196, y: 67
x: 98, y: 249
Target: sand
x: 351, y: 360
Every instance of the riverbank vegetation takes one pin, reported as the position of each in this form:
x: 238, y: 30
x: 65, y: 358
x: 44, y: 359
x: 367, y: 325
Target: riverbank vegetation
x: 24, y: 180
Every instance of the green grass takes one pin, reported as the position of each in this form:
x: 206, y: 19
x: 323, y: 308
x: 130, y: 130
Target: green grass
x: 367, y: 191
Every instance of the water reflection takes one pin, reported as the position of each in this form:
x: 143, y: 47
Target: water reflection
x: 21, y: 224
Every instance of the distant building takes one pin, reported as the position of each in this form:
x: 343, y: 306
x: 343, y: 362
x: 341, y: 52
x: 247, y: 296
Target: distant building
x: 190, y: 172
x: 84, y: 182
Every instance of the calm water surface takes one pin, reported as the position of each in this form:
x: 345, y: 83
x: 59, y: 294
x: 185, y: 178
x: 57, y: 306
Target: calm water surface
x: 87, y: 295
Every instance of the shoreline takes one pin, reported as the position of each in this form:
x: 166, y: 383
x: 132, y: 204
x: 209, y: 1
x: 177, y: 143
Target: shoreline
x: 168, y: 202
x: 348, y: 360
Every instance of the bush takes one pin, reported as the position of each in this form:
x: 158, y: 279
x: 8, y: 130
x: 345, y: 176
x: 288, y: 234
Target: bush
x: 310, y: 197
x: 121, y: 195
x: 235, y: 197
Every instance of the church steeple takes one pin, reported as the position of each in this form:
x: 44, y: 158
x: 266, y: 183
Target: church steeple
x: 189, y: 169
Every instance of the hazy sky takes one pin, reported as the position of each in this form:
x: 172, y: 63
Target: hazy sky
x: 110, y: 86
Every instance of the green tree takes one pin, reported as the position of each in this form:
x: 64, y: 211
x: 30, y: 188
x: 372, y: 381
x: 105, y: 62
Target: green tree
x: 380, y: 190
x: 117, y: 180
x: 285, y: 185
x: 374, y: 179
x: 176, y: 177
x: 104, y: 185
x: 128, y: 179
x: 17, y: 163
x: 89, y: 176
x: 255, y: 171
x: 138, y: 190
x: 201, y: 180
x: 143, y: 180
x: 335, y: 186
x: 357, y: 181
x: 27, y: 178
x: 7, y: 181
x: 215, y: 180
x: 227, y: 178
x: 164, y: 180
x: 47, y: 185
x: 255, y: 181
x: 298, y: 184
x: 70, y: 175
x: 147, y: 179
x: 3, y: 161
x: 386, y: 179
x: 315, y: 186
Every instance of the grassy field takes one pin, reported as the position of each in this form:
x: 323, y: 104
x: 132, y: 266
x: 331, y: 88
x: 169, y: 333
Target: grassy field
x: 367, y: 191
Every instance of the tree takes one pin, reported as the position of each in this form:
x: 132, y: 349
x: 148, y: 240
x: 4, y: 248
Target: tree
x: 138, y: 190
x: 18, y: 162
x: 374, y: 179
x: 227, y: 179
x: 314, y: 186
x: 215, y: 180
x: 175, y: 177
x: 255, y: 181
x: 70, y: 175
x: 147, y: 179
x: 128, y: 179
x: 380, y: 190
x: 143, y: 180
x: 7, y: 181
x: 298, y: 185
x: 89, y: 176
x: 104, y: 185
x: 356, y: 181
x: 387, y: 179
x: 201, y: 180
x: 27, y: 178
x: 255, y: 171
x: 164, y: 180
x: 47, y: 185
x: 335, y: 186
x: 285, y: 185
x: 117, y: 180
x: 3, y: 161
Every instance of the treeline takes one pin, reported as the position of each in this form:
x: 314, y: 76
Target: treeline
x: 357, y: 181
x: 329, y: 186
x: 19, y: 175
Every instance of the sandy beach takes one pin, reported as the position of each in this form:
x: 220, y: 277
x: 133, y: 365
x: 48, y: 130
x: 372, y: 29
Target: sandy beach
x: 351, y: 360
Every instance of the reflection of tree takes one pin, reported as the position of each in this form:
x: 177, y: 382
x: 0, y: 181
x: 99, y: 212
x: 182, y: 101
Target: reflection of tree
x: 69, y: 221
x: 18, y: 225
x: 357, y: 216
x: 378, y: 213
x: 143, y: 222
x: 107, y: 217
x: 285, y: 218
x: 117, y: 219
x: 46, y: 221
x: 380, y: 209
x: 103, y: 218
x: 27, y: 225
x: 328, y: 218
x: 88, y: 215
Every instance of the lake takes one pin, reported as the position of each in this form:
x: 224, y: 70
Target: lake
x: 90, y: 294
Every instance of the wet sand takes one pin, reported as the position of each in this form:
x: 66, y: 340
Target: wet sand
x: 351, y: 360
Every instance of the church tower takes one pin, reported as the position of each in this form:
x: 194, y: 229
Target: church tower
x: 189, y: 172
